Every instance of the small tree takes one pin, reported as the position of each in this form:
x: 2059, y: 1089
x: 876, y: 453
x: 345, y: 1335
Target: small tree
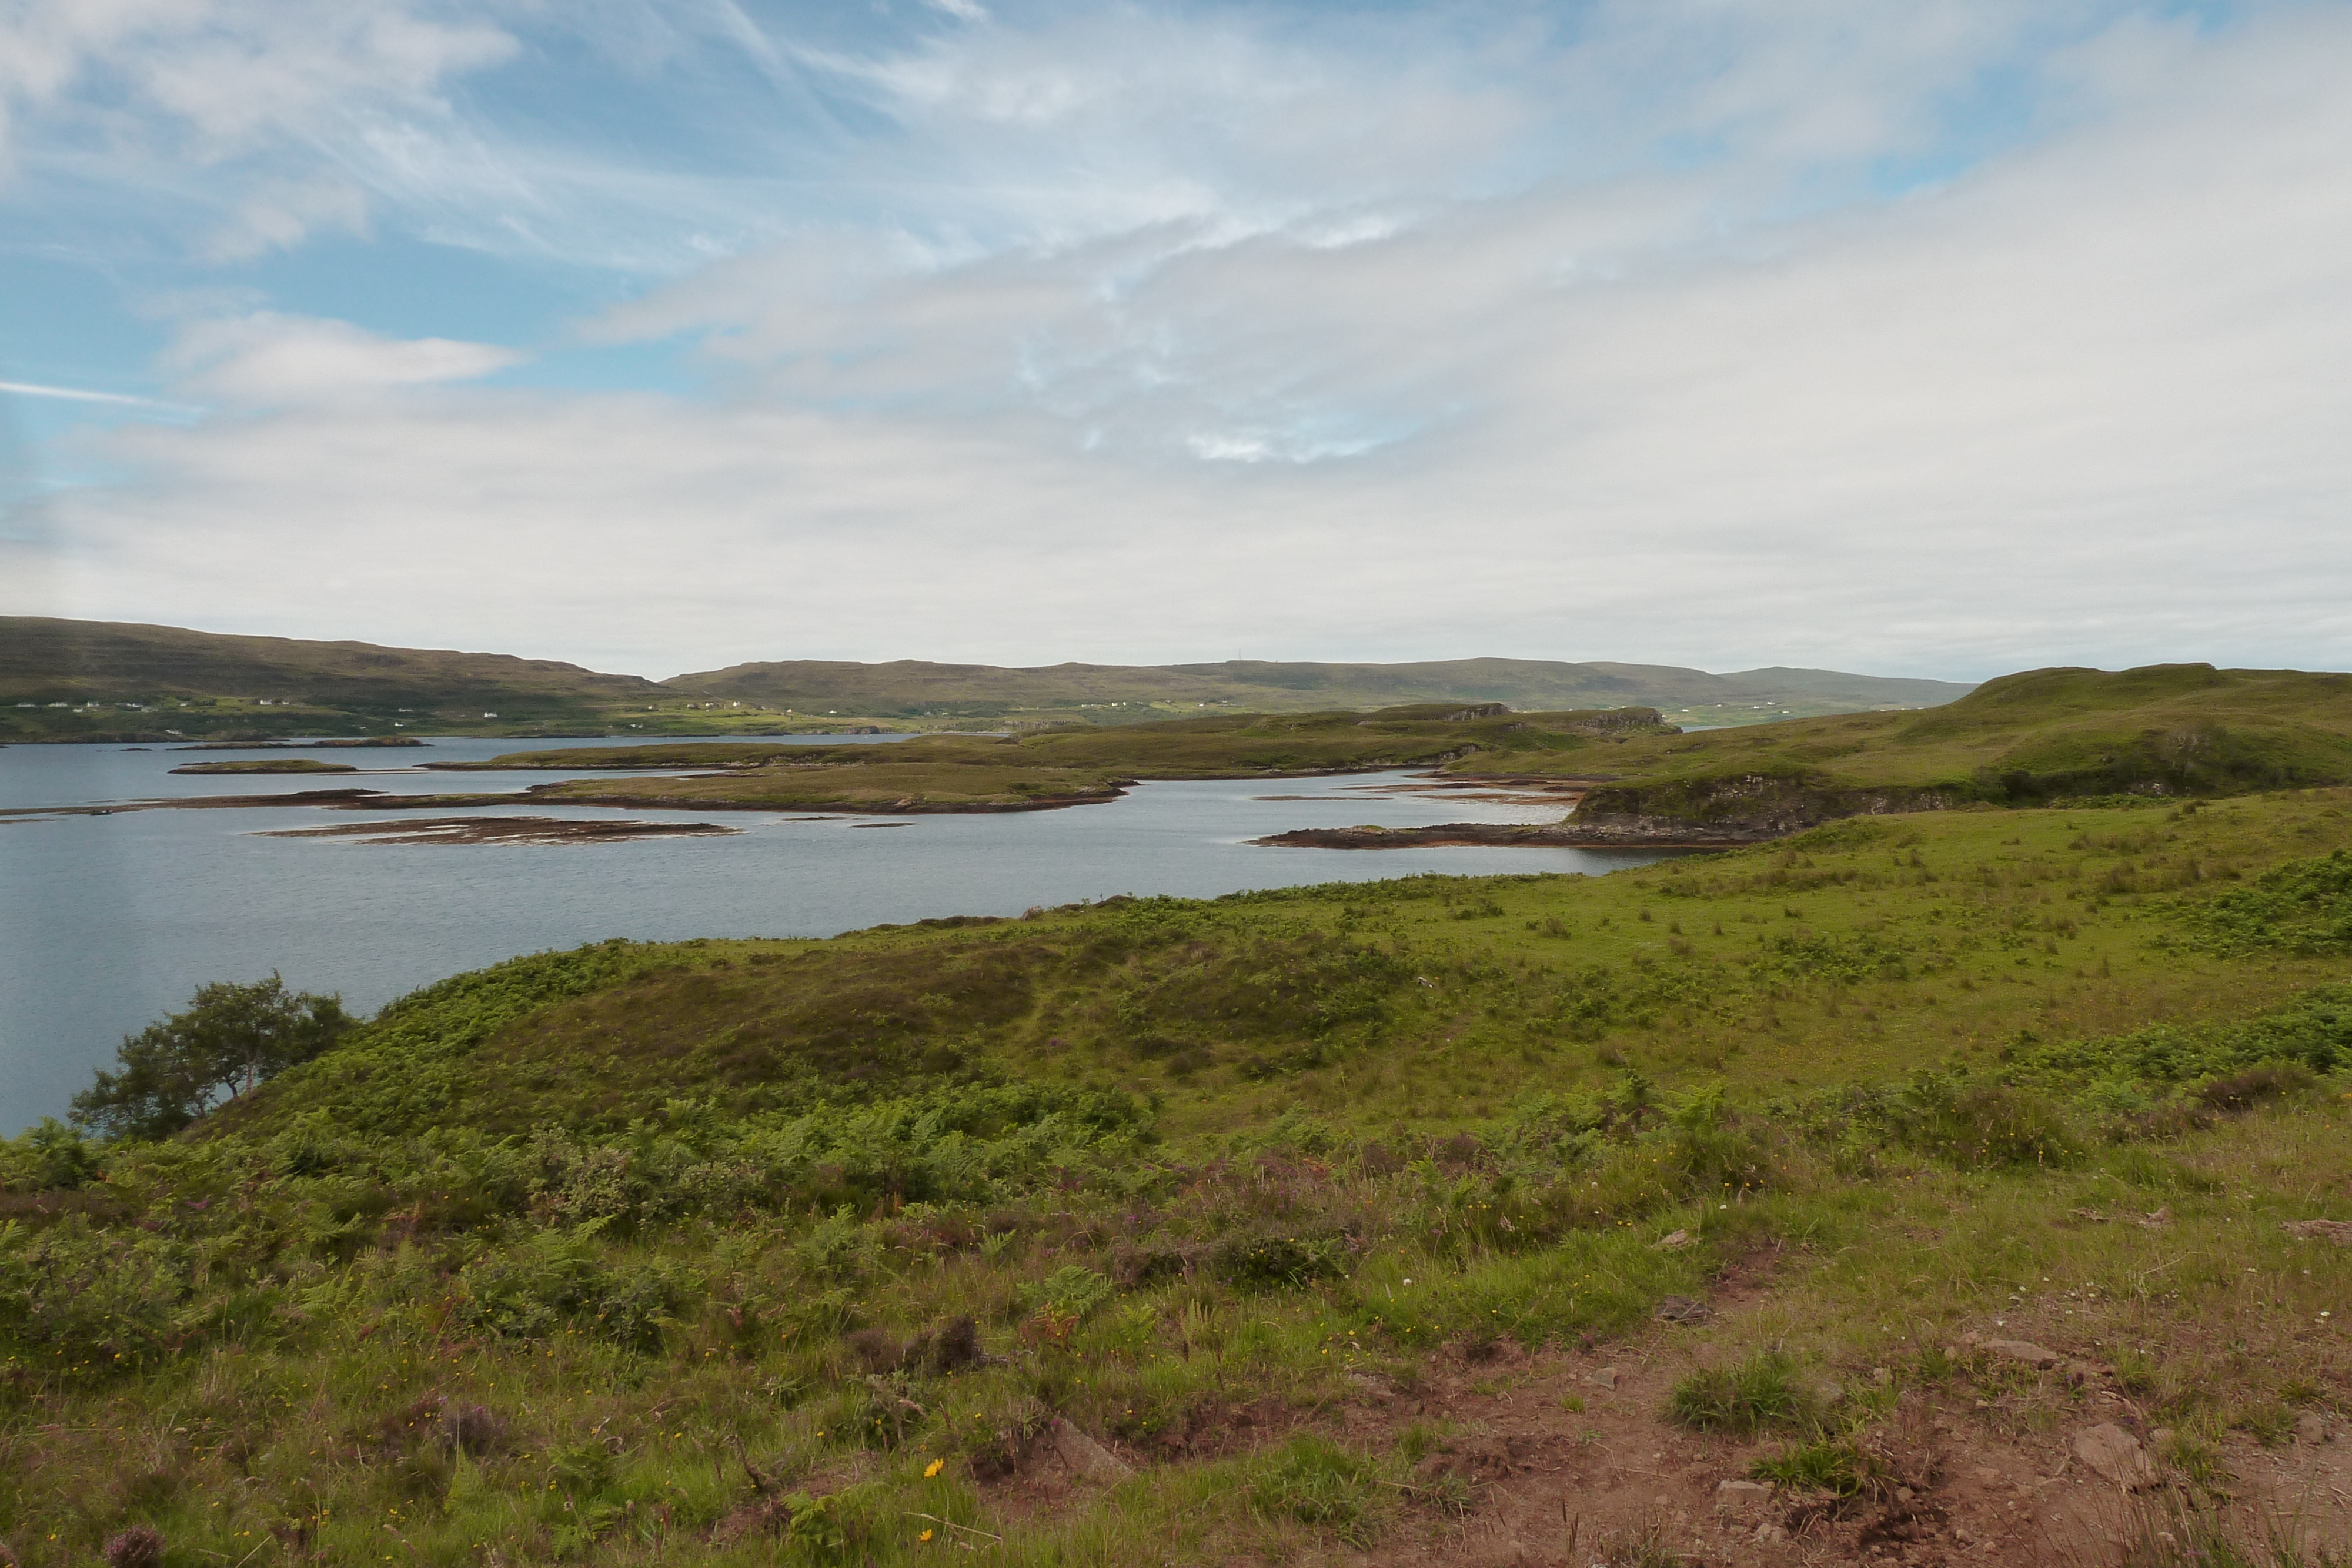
x: 231, y: 1037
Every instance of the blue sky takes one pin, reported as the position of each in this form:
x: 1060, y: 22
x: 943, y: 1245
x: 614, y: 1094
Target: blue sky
x: 1950, y: 337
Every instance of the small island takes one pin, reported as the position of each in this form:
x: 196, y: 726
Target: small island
x: 269, y: 765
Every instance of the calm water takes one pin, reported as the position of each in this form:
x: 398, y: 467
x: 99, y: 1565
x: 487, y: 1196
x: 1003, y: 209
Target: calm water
x: 107, y: 923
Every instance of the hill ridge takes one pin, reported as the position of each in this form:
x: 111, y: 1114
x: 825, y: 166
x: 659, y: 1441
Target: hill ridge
x: 64, y: 679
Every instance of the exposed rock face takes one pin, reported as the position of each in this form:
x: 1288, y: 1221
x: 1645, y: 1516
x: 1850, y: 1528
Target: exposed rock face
x: 2026, y: 1351
x: 1084, y: 1456
x: 1747, y: 808
x: 2114, y: 1456
x: 1576, y: 833
x: 1689, y: 814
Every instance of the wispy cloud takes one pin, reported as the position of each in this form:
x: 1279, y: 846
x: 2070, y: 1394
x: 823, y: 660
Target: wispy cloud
x: 79, y: 394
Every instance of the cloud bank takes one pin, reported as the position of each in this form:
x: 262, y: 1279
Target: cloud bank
x: 1944, y: 338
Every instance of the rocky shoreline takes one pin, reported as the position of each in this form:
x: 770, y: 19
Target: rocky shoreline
x: 500, y: 831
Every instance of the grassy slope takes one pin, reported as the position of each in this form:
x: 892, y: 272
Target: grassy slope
x: 538, y: 1260
x: 201, y: 683
x: 2180, y: 728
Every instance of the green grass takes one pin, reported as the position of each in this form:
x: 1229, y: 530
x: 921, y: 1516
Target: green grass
x: 1762, y: 1393
x: 1836, y: 1466
x: 644, y: 1252
x: 2165, y: 730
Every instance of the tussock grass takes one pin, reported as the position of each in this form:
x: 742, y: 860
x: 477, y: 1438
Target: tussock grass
x: 1757, y: 1394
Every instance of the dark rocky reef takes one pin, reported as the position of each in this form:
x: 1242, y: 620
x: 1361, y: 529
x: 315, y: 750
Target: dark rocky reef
x: 1723, y: 812
x: 1747, y: 808
x: 1512, y: 835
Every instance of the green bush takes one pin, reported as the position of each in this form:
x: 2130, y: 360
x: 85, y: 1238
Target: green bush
x: 1265, y: 1261
x: 79, y: 1301
x: 231, y: 1039
x: 49, y: 1157
x: 558, y: 1279
x: 2304, y: 907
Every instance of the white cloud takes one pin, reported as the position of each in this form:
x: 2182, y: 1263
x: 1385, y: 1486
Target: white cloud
x: 138, y: 93
x: 281, y: 214
x: 1340, y: 376
x: 263, y: 361
x: 233, y: 72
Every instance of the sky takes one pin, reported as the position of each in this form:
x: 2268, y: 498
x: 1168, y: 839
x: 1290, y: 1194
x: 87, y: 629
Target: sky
x: 1915, y: 337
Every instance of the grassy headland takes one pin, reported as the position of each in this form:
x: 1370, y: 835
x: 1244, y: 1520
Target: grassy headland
x: 2177, y: 730
x: 1339, y: 1215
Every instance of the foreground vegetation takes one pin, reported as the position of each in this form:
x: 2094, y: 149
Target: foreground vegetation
x: 718, y: 1250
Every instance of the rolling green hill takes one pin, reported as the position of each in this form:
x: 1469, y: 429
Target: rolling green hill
x: 2162, y: 730
x: 94, y: 680
x: 71, y: 680
x: 1119, y: 692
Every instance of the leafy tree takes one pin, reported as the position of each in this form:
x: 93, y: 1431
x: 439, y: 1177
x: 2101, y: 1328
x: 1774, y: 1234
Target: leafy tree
x: 231, y: 1037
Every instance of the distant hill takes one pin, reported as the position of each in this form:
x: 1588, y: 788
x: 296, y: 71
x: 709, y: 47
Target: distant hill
x: 101, y: 679
x: 145, y: 680
x: 914, y: 688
